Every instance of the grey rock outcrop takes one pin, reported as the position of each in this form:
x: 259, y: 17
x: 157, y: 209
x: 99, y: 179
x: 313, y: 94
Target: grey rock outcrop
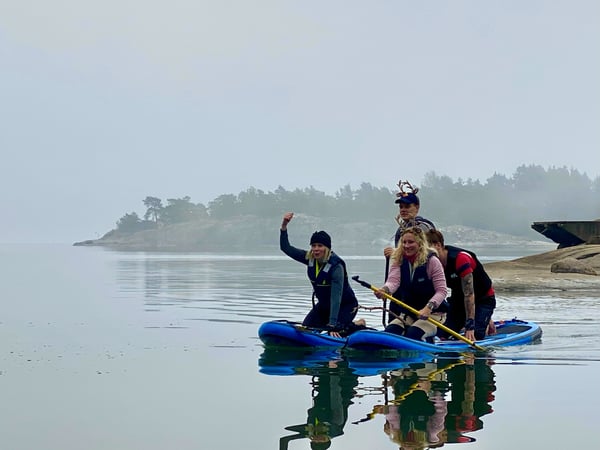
x: 534, y: 273
x: 572, y: 265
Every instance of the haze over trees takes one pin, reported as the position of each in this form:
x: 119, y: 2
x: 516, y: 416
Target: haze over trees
x: 504, y: 204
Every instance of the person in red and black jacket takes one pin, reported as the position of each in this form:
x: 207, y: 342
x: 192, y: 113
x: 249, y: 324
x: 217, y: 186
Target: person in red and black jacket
x: 472, y: 300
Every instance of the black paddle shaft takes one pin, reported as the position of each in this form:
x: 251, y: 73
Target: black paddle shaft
x: 361, y: 282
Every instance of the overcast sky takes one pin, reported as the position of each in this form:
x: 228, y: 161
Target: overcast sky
x: 104, y: 103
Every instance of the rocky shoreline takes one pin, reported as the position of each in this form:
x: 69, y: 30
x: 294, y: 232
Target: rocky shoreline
x: 567, y: 269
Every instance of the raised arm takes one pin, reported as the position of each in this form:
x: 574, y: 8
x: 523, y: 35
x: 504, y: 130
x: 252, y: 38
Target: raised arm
x: 287, y: 218
x: 296, y: 254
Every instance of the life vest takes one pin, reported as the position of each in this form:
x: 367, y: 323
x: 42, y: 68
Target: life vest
x: 321, y: 279
x: 417, y: 290
x: 481, y: 281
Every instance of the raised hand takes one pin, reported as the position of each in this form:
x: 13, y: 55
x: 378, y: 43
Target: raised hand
x: 287, y: 217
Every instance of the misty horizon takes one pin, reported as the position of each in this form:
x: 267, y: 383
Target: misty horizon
x: 106, y: 103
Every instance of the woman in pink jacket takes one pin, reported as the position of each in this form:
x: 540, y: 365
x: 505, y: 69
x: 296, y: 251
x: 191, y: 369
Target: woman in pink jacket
x: 417, y: 275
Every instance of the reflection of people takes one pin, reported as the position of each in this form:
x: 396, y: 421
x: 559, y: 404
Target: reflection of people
x: 336, y: 304
x: 472, y: 299
x: 334, y: 387
x: 473, y: 386
x: 436, y: 402
x: 416, y: 417
x: 409, y: 204
x: 417, y: 275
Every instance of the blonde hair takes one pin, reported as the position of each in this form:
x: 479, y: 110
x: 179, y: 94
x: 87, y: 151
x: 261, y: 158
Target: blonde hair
x: 422, y: 253
x: 325, y: 258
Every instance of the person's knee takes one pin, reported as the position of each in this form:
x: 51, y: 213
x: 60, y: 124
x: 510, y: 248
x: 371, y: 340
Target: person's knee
x: 415, y: 333
x: 480, y: 334
x: 395, y: 329
x: 353, y: 327
x: 314, y: 321
x: 481, y: 325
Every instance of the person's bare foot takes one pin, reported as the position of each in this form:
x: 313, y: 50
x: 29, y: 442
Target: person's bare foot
x: 491, y: 329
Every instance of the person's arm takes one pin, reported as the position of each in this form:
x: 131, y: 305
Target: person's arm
x: 469, y: 294
x: 285, y: 440
x: 393, y: 281
x: 284, y: 241
x: 337, y: 287
x: 436, y: 423
x: 435, y: 272
x: 466, y: 265
x: 389, y: 251
x: 295, y: 253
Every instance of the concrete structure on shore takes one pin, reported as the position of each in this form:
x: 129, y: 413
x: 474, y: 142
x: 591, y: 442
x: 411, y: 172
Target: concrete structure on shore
x: 568, y: 233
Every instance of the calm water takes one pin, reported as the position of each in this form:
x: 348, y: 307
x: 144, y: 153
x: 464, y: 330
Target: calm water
x: 109, y: 350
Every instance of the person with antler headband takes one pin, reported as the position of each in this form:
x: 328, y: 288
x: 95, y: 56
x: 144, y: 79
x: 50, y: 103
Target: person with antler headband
x: 408, y: 216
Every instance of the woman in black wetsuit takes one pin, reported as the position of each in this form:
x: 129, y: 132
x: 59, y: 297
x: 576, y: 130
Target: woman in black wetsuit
x: 336, y: 304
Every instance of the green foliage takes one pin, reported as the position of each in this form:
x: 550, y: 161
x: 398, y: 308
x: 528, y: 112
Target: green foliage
x: 503, y: 204
x: 153, y: 208
x: 180, y: 210
x: 224, y: 206
x: 130, y: 223
x: 510, y: 205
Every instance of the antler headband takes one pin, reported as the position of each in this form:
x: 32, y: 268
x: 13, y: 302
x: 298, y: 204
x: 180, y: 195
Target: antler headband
x: 406, y: 188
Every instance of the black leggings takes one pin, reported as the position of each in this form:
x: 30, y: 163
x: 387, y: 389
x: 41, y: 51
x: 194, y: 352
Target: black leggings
x: 318, y: 316
x: 415, y: 333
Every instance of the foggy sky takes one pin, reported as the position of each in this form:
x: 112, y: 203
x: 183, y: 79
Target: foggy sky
x: 105, y: 103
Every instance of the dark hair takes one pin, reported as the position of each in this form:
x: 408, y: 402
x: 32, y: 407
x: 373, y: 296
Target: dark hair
x: 435, y: 237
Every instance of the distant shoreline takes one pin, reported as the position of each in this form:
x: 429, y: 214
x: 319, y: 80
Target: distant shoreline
x: 260, y: 237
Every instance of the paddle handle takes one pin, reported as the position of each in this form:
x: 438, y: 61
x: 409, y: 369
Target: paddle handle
x: 416, y: 312
x: 384, y: 312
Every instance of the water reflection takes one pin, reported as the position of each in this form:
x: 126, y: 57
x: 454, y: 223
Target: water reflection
x: 424, y: 402
x: 437, y: 402
x: 188, y: 289
x: 472, y: 386
x: 333, y: 385
x: 415, y: 417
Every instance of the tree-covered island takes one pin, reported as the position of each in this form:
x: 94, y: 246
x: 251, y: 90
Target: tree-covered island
x: 361, y: 220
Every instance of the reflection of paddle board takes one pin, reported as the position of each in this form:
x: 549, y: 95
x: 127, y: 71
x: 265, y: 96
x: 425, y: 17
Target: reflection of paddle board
x: 510, y: 332
x: 278, y: 361
x: 294, y: 361
x: 369, y: 365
